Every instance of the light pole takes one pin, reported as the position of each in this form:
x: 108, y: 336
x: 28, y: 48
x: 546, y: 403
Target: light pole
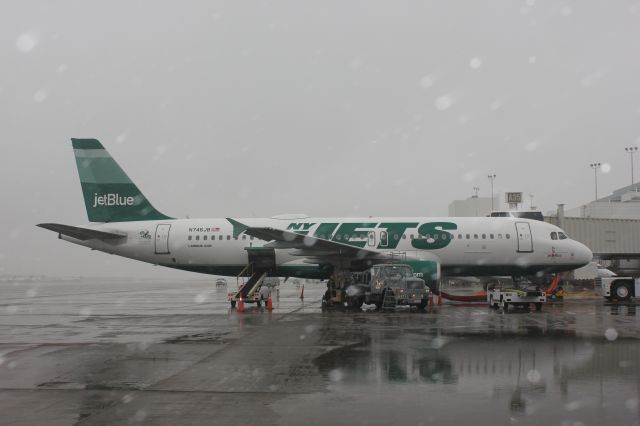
x: 476, y: 189
x: 631, y: 150
x: 492, y: 177
x: 595, y: 167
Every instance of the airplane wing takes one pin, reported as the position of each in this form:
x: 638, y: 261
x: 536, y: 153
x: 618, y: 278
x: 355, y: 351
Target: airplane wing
x: 81, y: 233
x: 305, y: 245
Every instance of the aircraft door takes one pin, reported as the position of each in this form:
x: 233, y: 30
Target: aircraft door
x: 162, y: 238
x: 262, y: 258
x: 525, y: 241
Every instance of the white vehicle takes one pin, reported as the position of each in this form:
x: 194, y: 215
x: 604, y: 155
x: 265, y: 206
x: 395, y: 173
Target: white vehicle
x: 503, y: 297
x: 122, y: 221
x: 619, y: 288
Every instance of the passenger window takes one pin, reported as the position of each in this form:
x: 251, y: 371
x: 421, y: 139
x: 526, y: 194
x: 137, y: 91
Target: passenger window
x: 197, y: 237
x: 468, y: 236
x: 499, y: 236
x: 189, y: 238
x: 251, y: 238
x: 484, y: 236
x: 435, y: 236
x: 220, y: 237
x: 562, y: 235
x: 459, y: 236
x: 204, y: 238
x: 491, y: 236
x: 554, y: 236
x: 411, y: 236
x: 507, y: 236
x: 475, y: 236
x: 244, y: 237
x: 228, y: 237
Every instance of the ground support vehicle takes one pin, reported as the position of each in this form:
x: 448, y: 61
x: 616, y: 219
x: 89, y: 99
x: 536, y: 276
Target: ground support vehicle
x: 503, y: 297
x: 249, y: 292
x: 387, y: 286
x: 619, y: 288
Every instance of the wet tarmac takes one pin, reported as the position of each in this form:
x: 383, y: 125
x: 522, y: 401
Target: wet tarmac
x: 149, y: 352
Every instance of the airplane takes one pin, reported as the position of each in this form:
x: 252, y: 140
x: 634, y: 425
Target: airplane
x: 123, y: 222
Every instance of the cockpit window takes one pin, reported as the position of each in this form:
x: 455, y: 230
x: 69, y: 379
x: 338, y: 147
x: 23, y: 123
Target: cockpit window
x: 554, y: 235
x: 562, y: 235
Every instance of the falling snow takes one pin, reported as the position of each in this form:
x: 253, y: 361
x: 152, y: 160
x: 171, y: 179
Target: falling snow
x: 444, y: 102
x: 611, y: 334
x: 475, y: 63
x: 40, y: 95
x: 427, y: 81
x: 26, y: 42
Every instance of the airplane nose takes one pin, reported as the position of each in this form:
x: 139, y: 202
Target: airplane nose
x: 584, y: 254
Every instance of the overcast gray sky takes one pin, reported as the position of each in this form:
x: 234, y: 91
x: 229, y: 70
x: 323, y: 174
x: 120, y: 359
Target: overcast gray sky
x: 330, y: 108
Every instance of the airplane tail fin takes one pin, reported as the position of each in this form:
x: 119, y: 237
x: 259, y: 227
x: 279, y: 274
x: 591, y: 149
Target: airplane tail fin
x: 109, y: 194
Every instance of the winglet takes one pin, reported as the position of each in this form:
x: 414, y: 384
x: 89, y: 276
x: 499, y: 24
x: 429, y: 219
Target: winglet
x: 238, y: 228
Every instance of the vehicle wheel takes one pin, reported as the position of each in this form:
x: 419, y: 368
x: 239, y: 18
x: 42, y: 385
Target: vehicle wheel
x: 423, y: 305
x: 258, y: 303
x: 622, y: 292
x: 326, y: 298
x: 538, y: 306
x: 233, y: 304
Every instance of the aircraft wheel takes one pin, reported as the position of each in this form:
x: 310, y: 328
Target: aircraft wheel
x: 622, y: 292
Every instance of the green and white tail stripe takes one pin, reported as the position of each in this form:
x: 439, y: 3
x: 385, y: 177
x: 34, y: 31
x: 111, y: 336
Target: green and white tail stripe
x: 109, y: 194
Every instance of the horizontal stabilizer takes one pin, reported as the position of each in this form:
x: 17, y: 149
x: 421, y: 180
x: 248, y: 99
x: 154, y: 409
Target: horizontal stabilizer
x: 81, y: 233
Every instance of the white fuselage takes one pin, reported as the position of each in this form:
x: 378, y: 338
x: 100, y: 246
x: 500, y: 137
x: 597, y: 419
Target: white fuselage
x: 462, y: 246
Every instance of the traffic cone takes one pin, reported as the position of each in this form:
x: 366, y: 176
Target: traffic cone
x: 269, y: 304
x: 440, y: 297
x: 240, y: 304
x: 302, y: 292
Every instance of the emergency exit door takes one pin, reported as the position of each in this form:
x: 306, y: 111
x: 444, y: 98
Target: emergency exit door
x: 525, y: 241
x: 162, y: 238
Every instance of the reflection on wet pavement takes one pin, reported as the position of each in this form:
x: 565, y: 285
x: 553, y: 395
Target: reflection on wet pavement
x: 163, y: 356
